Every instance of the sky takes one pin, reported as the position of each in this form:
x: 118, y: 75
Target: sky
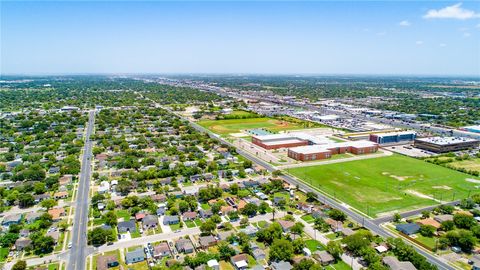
x: 357, y: 37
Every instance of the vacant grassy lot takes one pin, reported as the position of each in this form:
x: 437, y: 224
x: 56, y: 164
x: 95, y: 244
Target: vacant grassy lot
x: 224, y: 127
x: 471, y: 164
x: 394, y: 183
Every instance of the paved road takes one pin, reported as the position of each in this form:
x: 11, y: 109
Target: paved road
x: 80, y: 222
x: 411, y: 213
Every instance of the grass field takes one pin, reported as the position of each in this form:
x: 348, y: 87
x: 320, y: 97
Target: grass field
x: 471, y: 164
x: 394, y: 183
x: 224, y: 127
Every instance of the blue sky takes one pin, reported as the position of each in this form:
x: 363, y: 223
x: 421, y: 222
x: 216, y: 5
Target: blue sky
x: 359, y: 37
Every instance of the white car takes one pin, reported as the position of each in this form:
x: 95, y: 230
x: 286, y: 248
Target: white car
x: 69, y: 244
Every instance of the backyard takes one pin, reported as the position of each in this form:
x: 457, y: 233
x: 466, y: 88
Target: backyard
x: 399, y: 183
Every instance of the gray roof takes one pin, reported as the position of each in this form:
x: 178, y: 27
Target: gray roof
x: 137, y: 253
x: 394, y: 264
x: 282, y: 265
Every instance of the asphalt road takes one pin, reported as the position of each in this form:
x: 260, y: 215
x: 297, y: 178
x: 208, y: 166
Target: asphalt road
x: 78, y: 251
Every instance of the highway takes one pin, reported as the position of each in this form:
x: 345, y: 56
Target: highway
x: 78, y: 251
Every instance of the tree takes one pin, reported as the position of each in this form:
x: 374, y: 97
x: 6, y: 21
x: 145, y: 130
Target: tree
x: 110, y: 218
x: 250, y: 209
x: 20, y: 265
x: 234, y: 188
x: 281, y: 250
x: 297, y: 228
x: 225, y: 251
x: 208, y: 227
x: 263, y: 207
x: 48, y: 203
x: 335, y: 249
x: 425, y: 214
x: 307, y: 264
x: 447, y: 225
x: 396, y: 217
x: 298, y: 245
x: 99, y: 236
x: 42, y: 244
x: 321, y: 225
x: 8, y: 239
x: 268, y: 234
x: 183, y: 206
x: 244, y: 221
x: 337, y: 215
x: 369, y: 255
x: 25, y: 200
x: 357, y: 241
x: 427, y: 230
x: 311, y: 196
x: 464, y: 221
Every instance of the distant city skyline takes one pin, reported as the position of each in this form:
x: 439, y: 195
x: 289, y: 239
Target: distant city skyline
x: 439, y: 38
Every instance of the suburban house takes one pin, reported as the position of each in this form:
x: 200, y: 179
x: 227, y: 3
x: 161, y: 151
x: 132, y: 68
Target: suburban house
x: 107, y: 261
x: 207, y: 241
x: 189, y: 216
x: 150, y: 222
x: 161, y: 250
x: 240, y: 261
x: 394, y: 264
x: 57, y: 213
x: 22, y: 243
x: 60, y: 195
x: 169, y: 220
x: 32, y: 217
x: 323, y: 257
x: 135, y: 256
x: 12, y: 219
x: 286, y: 225
x: 408, y: 228
x: 281, y: 265
x: 126, y: 226
x: 184, y: 245
x: 205, y: 213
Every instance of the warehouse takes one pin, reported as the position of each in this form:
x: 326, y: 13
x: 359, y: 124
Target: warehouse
x: 276, y: 141
x: 316, y: 152
x: 475, y: 129
x: 393, y: 137
x: 445, y: 144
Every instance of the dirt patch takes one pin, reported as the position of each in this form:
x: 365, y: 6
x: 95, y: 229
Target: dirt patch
x: 471, y: 180
x: 338, y: 183
x: 418, y: 194
x: 442, y: 187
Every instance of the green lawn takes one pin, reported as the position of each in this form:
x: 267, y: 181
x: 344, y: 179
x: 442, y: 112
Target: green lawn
x: 3, y: 254
x: 308, y: 218
x: 427, y: 241
x: 189, y: 224
x: 340, y: 265
x: 123, y: 214
x: 313, y: 245
x: 175, y: 227
x: 394, y: 183
x: 205, y: 206
x: 198, y: 222
x: 224, y: 127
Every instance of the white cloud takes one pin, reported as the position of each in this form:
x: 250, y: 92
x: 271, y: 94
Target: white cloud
x: 451, y: 12
x: 419, y: 42
x: 478, y: 25
x: 466, y: 34
x: 404, y: 23
x: 381, y: 33
x: 443, y: 45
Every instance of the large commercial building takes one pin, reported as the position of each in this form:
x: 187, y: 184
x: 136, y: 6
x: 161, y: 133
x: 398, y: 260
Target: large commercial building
x: 316, y: 152
x: 287, y: 140
x: 276, y: 141
x: 393, y: 137
x: 475, y: 129
x: 445, y: 144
